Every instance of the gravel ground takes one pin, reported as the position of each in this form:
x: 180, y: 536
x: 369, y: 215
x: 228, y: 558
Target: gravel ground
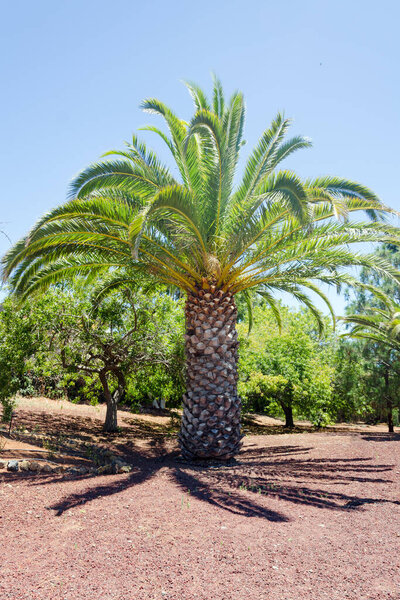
x: 312, y: 516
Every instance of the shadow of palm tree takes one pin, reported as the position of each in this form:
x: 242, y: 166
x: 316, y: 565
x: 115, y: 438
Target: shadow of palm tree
x: 242, y: 487
x: 83, y: 428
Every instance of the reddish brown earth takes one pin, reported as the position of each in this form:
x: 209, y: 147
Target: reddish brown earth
x: 309, y: 516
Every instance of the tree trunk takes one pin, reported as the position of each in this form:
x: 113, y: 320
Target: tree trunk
x: 288, y: 410
x: 390, y: 415
x: 389, y: 404
x: 110, y: 424
x: 211, y: 414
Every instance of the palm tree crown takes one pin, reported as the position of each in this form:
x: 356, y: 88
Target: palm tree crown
x: 272, y: 231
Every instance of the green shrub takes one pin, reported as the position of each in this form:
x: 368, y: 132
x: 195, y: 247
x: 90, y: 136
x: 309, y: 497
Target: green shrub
x: 260, y: 393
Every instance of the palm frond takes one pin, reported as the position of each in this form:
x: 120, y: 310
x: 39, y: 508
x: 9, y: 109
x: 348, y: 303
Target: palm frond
x: 199, y: 98
x: 261, y: 161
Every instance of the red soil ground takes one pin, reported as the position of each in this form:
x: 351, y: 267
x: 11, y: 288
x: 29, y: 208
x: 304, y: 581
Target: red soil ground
x: 308, y: 516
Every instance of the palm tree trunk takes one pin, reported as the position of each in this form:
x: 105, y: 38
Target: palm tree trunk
x: 211, y: 415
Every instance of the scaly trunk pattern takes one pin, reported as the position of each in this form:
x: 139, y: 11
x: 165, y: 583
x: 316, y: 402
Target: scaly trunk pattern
x: 211, y: 415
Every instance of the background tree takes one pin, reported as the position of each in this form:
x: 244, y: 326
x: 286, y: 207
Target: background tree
x: 380, y: 329
x: 371, y: 317
x: 291, y: 368
x: 67, y: 340
x: 362, y: 299
x: 17, y: 342
x: 196, y: 231
x: 112, y: 341
x: 354, y: 394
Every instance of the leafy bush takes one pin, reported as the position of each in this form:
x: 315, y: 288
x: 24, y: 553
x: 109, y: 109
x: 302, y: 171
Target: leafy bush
x: 288, y: 370
x: 260, y: 393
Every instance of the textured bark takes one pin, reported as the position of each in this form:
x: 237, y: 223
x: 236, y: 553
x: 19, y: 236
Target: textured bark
x: 110, y: 423
x: 211, y: 415
x: 286, y: 403
x: 112, y: 400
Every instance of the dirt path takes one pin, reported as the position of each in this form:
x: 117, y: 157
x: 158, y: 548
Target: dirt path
x: 313, y: 516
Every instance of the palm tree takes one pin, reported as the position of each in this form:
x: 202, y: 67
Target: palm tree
x: 381, y: 327
x: 193, y: 228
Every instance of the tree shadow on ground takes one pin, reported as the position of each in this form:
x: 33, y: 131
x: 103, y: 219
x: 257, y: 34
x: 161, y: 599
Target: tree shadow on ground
x: 254, y: 427
x: 84, y: 428
x: 243, y: 487
x: 381, y: 437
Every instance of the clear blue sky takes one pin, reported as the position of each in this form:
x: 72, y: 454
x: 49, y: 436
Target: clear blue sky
x: 73, y: 73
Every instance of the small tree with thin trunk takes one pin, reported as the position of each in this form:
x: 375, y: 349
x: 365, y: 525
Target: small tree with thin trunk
x: 103, y: 354
x: 111, y: 341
